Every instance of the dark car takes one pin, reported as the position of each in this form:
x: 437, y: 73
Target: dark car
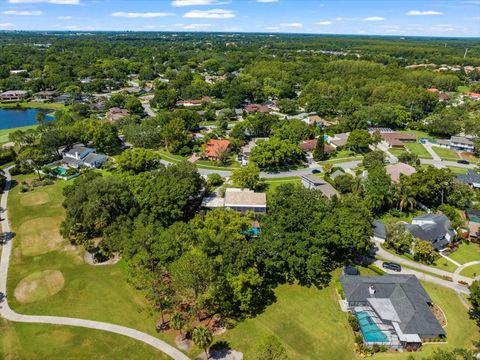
x: 392, y: 266
x: 2, y: 297
x: 316, y: 171
x: 463, y: 161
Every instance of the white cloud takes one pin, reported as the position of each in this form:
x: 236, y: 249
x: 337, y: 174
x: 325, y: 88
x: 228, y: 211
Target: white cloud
x: 78, y: 28
x: 146, y: 15
x: 338, y: 18
x: 374, y: 18
x: 324, y: 23
x: 151, y: 27
x: 423, y: 13
x: 272, y: 28
x: 294, y: 25
x: 180, y: 3
x: 197, y: 26
x: 6, y: 25
x: 267, y: 1
x: 64, y: 17
x: 210, y: 14
x: 58, y: 2
x: 23, y: 13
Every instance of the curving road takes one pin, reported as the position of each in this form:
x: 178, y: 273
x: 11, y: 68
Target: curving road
x: 7, y: 313
x: 421, y: 269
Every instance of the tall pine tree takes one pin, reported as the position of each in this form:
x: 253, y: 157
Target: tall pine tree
x: 319, y: 151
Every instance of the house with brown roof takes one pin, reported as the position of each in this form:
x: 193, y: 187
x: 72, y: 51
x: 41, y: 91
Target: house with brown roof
x: 310, y: 145
x: 115, y: 114
x: 240, y: 200
x: 216, y: 147
x: 254, y: 108
x: 339, y: 140
x: 194, y: 102
x: 14, y: 95
x: 393, y: 138
x: 395, y: 170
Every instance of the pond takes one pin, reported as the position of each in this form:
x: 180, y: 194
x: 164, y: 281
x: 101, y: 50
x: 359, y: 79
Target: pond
x: 13, y: 118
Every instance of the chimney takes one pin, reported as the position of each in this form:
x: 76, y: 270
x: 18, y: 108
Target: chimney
x: 371, y: 290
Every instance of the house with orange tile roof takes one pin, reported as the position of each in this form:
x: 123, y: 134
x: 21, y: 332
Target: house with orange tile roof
x: 216, y: 147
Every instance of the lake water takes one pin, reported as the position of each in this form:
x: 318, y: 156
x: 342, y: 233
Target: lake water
x: 13, y: 118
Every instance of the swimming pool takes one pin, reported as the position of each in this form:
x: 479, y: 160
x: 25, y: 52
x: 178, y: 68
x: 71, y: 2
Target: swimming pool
x: 370, y: 330
x: 59, y: 170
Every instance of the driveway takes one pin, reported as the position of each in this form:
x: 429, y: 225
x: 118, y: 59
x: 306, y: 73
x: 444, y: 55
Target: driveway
x: 9, y: 314
x: 428, y: 146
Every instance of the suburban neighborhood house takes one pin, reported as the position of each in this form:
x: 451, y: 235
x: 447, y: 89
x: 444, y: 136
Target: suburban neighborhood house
x: 471, y: 178
x: 392, y: 310
x: 215, y: 148
x: 316, y: 183
x: 395, y: 170
x: 115, y: 114
x: 14, y: 95
x: 459, y: 143
x: 195, y: 102
x: 254, y: 108
x: 434, y: 228
x: 339, y: 140
x: 78, y: 155
x: 393, y: 138
x: 240, y: 200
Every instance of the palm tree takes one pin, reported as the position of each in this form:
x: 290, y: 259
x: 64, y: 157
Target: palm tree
x: 357, y: 185
x: 203, y: 338
x: 177, y: 322
x: 405, y: 198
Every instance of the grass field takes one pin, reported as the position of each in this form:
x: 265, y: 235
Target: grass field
x: 32, y: 105
x: 396, y: 152
x: 444, y: 264
x: 5, y: 132
x: 457, y: 170
x: 418, y: 149
x: 471, y: 271
x: 446, y: 154
x: 273, y: 183
x: 89, y: 292
x: 466, y: 252
x: 307, y: 321
x: 41, y: 341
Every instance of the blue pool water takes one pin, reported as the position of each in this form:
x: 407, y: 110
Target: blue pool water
x: 59, y: 170
x: 370, y: 330
x: 13, y: 118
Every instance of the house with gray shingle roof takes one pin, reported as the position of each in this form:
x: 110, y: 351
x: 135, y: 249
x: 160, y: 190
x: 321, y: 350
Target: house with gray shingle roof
x: 471, y: 178
x: 434, y: 228
x: 392, y: 310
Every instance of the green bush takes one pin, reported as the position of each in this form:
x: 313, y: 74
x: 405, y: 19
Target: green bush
x: 338, y: 285
x: 353, y: 321
x: 376, y: 269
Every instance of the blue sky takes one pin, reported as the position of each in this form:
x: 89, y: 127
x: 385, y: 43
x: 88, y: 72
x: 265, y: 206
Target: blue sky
x: 381, y: 17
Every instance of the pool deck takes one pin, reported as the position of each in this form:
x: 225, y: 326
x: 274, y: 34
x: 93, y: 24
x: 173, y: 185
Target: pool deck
x: 388, y: 330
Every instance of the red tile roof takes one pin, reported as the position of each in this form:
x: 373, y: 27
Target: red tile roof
x: 253, y: 108
x: 216, y: 146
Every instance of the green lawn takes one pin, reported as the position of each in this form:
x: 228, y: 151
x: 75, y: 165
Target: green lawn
x: 42, y: 341
x: 463, y: 88
x: 396, y: 151
x: 273, y: 183
x: 461, y: 330
x: 418, y: 149
x: 471, y: 271
x: 466, y: 252
x: 307, y: 321
x: 5, y: 132
x: 446, y: 154
x: 457, y: 170
x: 90, y: 292
x: 444, y: 264
x: 32, y: 105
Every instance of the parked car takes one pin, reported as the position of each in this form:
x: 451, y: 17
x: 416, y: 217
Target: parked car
x: 392, y: 266
x: 463, y: 161
x: 2, y: 297
x: 316, y: 171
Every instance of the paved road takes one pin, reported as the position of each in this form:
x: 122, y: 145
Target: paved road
x: 428, y: 278
x: 395, y: 258
x: 11, y: 315
x: 148, y: 109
